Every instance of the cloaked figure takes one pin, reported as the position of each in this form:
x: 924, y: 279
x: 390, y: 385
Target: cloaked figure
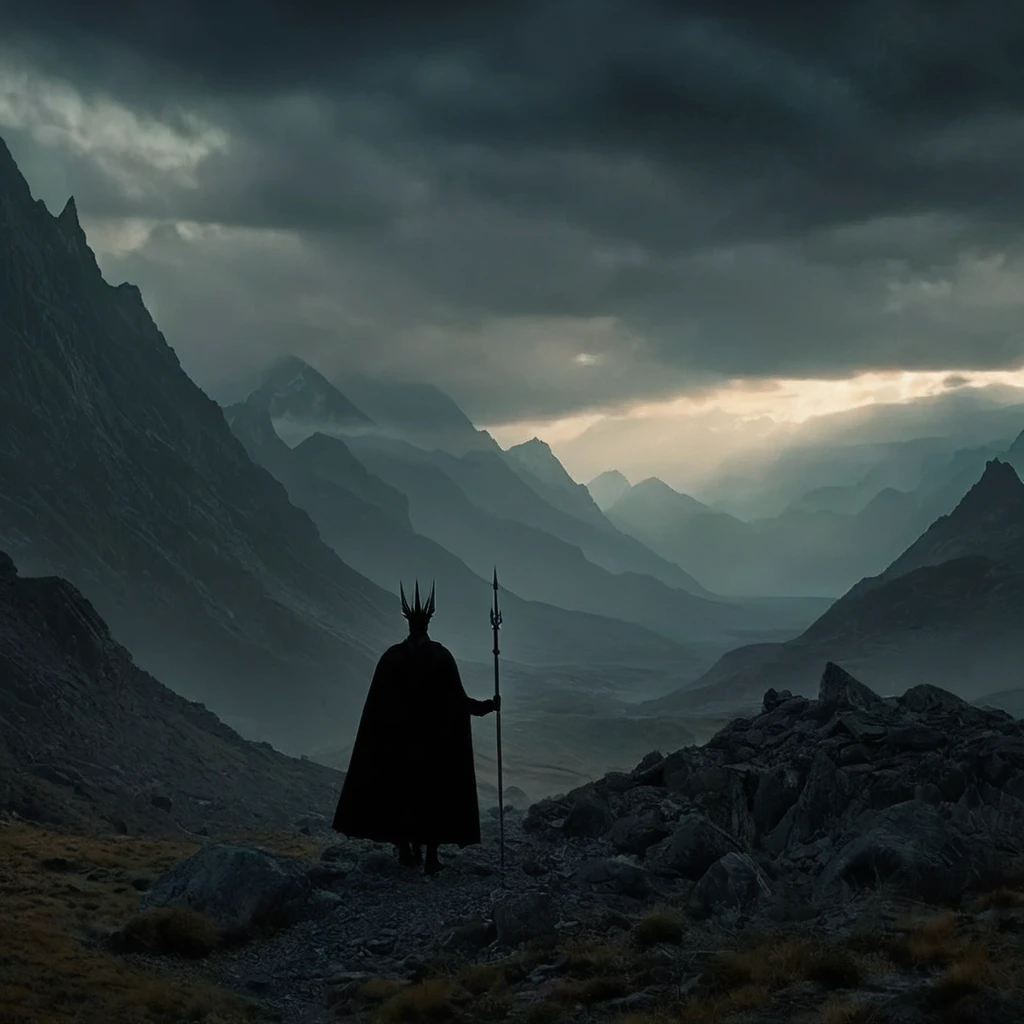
x: 411, y: 779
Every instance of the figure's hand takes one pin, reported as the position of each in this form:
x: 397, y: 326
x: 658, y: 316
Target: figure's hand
x: 496, y: 703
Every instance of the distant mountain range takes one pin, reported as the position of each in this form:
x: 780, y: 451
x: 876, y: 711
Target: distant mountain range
x: 947, y: 610
x: 520, y: 508
x: 367, y: 521
x: 821, y: 545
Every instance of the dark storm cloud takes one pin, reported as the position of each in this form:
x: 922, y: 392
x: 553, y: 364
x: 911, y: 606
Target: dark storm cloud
x: 754, y: 188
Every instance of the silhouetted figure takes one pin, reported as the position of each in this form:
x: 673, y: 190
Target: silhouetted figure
x: 411, y: 779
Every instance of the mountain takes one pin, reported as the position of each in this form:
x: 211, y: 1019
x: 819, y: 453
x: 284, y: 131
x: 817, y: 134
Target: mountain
x: 295, y: 394
x: 485, y: 475
x: 121, y: 476
x: 607, y: 488
x: 367, y: 521
x: 1015, y: 453
x: 459, y: 506
x: 806, y: 550
x: 88, y: 739
x: 416, y: 412
x: 949, y: 607
x: 537, y: 464
x: 652, y: 507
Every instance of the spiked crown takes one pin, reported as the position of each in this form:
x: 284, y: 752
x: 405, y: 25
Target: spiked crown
x: 418, y: 616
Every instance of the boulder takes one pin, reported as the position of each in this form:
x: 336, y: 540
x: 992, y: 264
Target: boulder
x: 637, y: 832
x: 589, y: 817
x: 239, y: 888
x: 839, y: 688
x: 693, y: 847
x: 524, y: 916
x: 912, y: 846
x: 612, y: 877
x: 733, y: 882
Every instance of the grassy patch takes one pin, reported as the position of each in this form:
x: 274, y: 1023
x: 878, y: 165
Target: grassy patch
x: 657, y: 929
x: 1001, y: 899
x: 774, y: 965
x: 168, y: 931
x: 845, y: 1012
x: 590, y: 990
x: 724, y: 1005
x: 435, y: 999
x: 933, y: 942
x: 64, y: 893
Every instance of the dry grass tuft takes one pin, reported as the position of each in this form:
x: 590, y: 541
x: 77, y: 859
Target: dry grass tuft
x: 377, y: 990
x: 63, y: 892
x: 974, y: 971
x: 774, y: 965
x: 435, y: 999
x: 845, y: 1012
x: 1001, y: 899
x: 933, y: 942
x: 480, y: 978
x: 720, y: 1007
x: 657, y: 929
x: 591, y: 990
x: 168, y: 931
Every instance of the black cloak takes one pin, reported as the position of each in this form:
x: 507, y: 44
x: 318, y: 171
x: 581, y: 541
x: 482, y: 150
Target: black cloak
x: 411, y: 777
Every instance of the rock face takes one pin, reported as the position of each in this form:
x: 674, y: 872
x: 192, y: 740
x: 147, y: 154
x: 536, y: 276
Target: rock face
x: 89, y: 739
x: 120, y: 475
x: 924, y: 792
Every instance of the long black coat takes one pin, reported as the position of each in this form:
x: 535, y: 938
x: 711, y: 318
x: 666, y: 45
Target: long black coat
x: 411, y: 775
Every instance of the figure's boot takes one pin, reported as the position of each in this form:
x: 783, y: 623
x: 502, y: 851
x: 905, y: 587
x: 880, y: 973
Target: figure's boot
x: 433, y: 865
x: 405, y: 856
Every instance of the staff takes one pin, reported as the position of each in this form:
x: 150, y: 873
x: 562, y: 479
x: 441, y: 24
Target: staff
x: 495, y: 626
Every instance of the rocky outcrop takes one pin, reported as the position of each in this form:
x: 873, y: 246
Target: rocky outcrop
x: 923, y: 792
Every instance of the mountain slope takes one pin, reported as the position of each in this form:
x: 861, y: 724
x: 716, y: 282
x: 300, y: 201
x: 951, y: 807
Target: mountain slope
x: 122, y: 476
x: 418, y: 418
x: 366, y: 521
x: 536, y: 463
x: 418, y: 413
x: 543, y: 567
x: 292, y: 390
x: 607, y: 488
x: 949, y: 607
x: 87, y: 739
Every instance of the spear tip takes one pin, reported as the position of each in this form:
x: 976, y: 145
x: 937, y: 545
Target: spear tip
x: 495, y: 577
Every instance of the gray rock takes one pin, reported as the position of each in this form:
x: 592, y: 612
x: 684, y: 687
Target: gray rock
x: 840, y: 688
x: 691, y: 849
x: 734, y: 882
x: 637, y: 832
x: 912, y: 846
x: 238, y: 888
x: 525, y: 916
x: 613, y: 878
x: 777, y: 791
x: 589, y: 817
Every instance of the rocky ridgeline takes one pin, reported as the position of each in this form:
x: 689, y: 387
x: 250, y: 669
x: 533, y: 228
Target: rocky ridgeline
x: 810, y: 799
x: 816, y: 819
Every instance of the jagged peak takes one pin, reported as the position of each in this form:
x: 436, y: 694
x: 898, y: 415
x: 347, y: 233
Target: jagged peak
x: 285, y: 365
x: 68, y: 217
x: 998, y: 484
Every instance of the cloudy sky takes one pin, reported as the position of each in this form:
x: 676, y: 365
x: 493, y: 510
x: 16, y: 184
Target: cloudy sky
x: 710, y: 217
